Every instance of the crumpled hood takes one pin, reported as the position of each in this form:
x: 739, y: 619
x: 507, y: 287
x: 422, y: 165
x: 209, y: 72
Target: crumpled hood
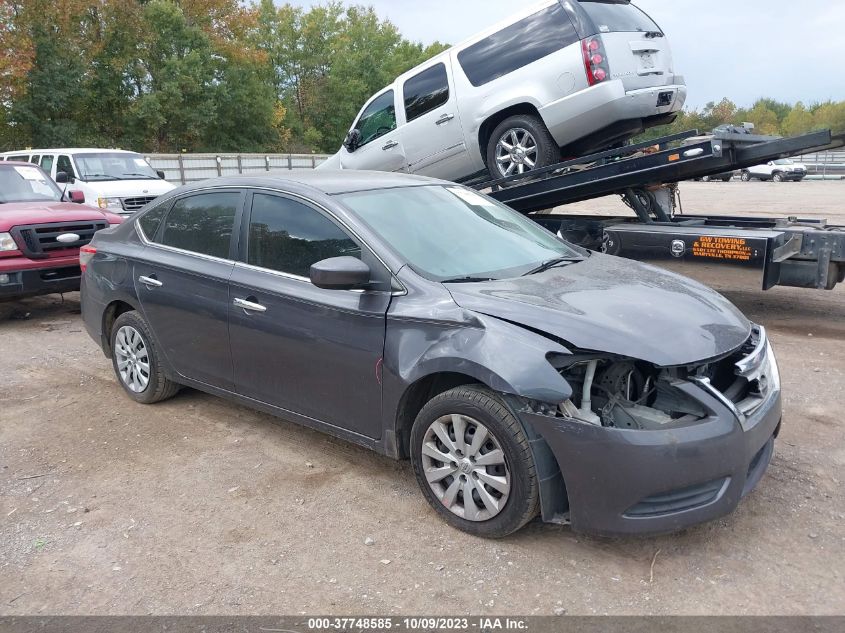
x: 617, y: 306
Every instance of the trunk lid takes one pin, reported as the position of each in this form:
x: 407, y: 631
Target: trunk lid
x: 637, y: 51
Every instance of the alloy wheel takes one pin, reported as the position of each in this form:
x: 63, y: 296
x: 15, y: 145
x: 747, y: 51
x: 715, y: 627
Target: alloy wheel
x: 133, y: 361
x: 465, y: 467
x: 516, y: 152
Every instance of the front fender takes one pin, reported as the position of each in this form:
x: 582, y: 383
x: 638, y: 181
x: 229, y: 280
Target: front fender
x: 505, y: 357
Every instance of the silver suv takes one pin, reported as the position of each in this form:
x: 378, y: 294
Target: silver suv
x: 559, y: 79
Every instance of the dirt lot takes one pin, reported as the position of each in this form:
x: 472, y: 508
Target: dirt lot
x: 198, y: 506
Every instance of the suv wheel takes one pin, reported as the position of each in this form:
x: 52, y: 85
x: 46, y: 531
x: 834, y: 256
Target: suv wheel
x: 136, y: 361
x: 474, y: 464
x: 520, y: 144
x: 745, y: 177
x: 778, y: 177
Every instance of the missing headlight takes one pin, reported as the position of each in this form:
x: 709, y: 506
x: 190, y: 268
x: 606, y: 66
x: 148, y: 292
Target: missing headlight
x: 627, y: 394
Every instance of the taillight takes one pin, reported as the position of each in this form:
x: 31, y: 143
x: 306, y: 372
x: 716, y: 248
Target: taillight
x: 86, y: 254
x: 595, y: 60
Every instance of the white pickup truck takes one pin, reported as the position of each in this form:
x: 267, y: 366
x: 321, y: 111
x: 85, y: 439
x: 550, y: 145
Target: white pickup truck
x: 776, y: 170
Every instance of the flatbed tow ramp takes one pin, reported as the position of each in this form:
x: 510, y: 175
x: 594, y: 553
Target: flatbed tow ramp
x: 785, y: 251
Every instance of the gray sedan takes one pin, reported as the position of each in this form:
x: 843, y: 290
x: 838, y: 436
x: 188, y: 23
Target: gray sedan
x: 521, y: 375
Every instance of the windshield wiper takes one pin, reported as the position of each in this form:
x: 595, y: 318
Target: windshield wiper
x: 106, y: 176
x: 467, y: 280
x: 552, y: 263
x: 147, y: 176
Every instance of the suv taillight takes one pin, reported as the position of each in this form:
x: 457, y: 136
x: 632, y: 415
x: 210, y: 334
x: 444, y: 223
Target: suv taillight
x: 595, y: 60
x: 86, y: 254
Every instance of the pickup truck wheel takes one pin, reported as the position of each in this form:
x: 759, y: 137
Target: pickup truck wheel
x: 778, y: 177
x: 474, y: 464
x: 520, y: 144
x: 136, y: 361
x: 745, y: 177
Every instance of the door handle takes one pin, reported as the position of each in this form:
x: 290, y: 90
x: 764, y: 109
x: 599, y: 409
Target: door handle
x: 150, y: 282
x: 444, y: 119
x: 390, y: 145
x: 250, y: 306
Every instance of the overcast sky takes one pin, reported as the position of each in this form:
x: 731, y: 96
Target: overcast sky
x: 741, y: 49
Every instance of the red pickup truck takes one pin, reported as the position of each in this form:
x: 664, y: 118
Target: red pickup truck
x: 41, y: 232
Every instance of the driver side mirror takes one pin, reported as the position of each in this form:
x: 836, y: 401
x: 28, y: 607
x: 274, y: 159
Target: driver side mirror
x: 352, y: 140
x: 63, y: 178
x: 340, y: 273
x: 160, y: 174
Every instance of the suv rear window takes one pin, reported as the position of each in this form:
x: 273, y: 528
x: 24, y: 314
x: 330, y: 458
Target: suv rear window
x: 612, y: 17
x: 518, y: 45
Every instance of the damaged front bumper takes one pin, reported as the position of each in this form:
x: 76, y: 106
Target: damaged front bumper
x: 613, y: 481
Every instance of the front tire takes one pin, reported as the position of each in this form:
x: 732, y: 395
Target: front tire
x: 745, y: 177
x: 136, y: 361
x: 520, y: 144
x: 778, y: 177
x: 473, y: 462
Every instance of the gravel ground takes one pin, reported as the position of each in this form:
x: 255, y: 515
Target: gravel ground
x: 199, y: 506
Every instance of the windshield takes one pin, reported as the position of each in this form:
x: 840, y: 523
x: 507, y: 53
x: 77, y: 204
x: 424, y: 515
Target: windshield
x: 21, y: 183
x: 783, y: 161
x: 113, y: 166
x: 619, y: 18
x: 453, y: 233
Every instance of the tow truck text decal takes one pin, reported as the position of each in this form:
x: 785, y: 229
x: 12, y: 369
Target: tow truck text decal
x: 733, y: 248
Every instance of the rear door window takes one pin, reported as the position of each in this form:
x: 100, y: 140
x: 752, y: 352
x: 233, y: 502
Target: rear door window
x: 24, y: 158
x: 47, y: 163
x: 518, y: 45
x: 202, y: 224
x: 288, y: 236
x: 426, y: 91
x: 151, y: 220
x: 619, y: 18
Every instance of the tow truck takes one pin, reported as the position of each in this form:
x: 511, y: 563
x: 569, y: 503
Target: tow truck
x: 781, y: 251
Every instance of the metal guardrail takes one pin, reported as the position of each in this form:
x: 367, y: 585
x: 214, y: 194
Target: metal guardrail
x: 824, y: 163
x: 185, y: 168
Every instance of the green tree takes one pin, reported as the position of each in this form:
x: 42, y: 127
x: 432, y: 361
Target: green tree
x: 830, y: 115
x: 798, y: 121
x: 47, y: 109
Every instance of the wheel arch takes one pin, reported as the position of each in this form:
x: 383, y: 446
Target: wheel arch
x: 485, y: 130
x: 417, y: 395
x: 110, y: 314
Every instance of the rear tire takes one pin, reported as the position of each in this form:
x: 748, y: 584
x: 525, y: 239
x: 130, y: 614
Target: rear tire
x: 136, y: 361
x: 498, y: 474
x: 727, y: 179
x: 520, y: 144
x: 705, y: 179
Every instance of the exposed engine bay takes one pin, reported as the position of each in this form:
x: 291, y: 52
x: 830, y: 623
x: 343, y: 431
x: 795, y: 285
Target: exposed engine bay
x: 630, y: 394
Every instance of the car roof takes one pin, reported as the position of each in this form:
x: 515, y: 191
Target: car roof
x: 69, y: 150
x: 330, y: 182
